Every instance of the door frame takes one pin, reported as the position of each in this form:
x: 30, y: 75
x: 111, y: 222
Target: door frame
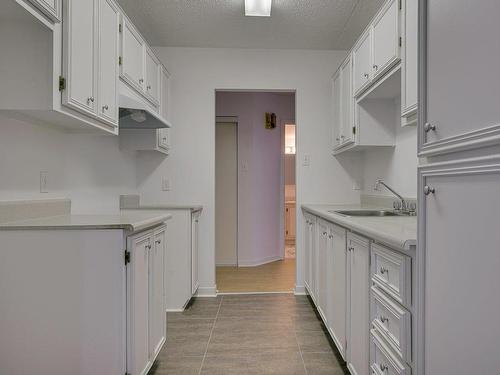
x: 282, y: 187
x: 232, y: 120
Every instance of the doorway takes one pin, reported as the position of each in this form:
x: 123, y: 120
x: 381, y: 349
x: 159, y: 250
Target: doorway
x: 255, y: 251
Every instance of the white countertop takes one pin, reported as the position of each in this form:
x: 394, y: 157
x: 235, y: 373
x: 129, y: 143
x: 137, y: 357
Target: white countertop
x: 192, y: 208
x: 132, y: 222
x: 399, y: 232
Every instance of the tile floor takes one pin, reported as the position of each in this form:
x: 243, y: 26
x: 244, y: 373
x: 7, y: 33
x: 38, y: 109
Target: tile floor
x: 275, y: 334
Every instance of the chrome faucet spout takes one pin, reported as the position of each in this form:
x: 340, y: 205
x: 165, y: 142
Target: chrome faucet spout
x: 403, y: 202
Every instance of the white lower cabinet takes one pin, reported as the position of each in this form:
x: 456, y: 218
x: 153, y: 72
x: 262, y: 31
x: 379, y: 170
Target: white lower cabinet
x: 145, y: 300
x: 195, y: 252
x: 383, y: 361
x: 358, y: 305
x: 310, y: 251
x: 321, y: 269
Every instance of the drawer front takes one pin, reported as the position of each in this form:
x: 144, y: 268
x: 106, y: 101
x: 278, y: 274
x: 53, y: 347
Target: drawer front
x: 391, y: 271
x: 382, y: 359
x: 392, y: 322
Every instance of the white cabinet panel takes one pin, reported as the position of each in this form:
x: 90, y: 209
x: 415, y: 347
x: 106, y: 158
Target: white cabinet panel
x: 80, y: 56
x: 195, y: 259
x: 383, y: 360
x: 322, y: 244
x: 458, y: 267
x: 165, y: 93
x: 358, y: 304
x: 336, y: 286
x: 51, y: 8
x: 460, y: 86
x: 409, y: 71
x: 108, y: 61
x: 157, y: 329
x: 337, y: 109
x: 133, y: 50
x: 362, y: 62
x: 152, y: 77
x: 138, y: 305
x: 347, y: 102
x: 386, y: 38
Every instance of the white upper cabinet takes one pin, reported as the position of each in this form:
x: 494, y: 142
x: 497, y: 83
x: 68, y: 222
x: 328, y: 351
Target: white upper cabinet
x: 460, y: 70
x: 80, y: 56
x: 133, y: 50
x: 152, y: 77
x: 51, y: 8
x: 409, y: 66
x: 343, y: 105
x: 108, y: 61
x: 164, y: 93
x: 386, y: 38
x: 362, y: 59
x: 336, y: 108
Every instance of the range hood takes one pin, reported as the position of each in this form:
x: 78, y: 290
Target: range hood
x: 135, y: 115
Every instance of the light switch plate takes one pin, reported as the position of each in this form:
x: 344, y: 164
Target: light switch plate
x: 306, y: 161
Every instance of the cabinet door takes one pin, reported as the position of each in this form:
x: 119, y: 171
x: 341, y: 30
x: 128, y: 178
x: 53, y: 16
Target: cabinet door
x: 52, y: 8
x: 358, y: 305
x: 307, y: 253
x: 337, y: 109
x: 386, y: 38
x: 133, y: 50
x: 138, y: 305
x: 80, y: 63
x: 163, y: 136
x: 457, y: 268
x: 362, y: 62
x: 157, y: 315
x: 336, y: 286
x: 313, y: 238
x: 460, y: 86
x: 409, y: 77
x: 195, y: 283
x: 152, y: 77
x: 165, y: 94
x: 321, y: 270
x: 108, y: 61
x: 347, y: 102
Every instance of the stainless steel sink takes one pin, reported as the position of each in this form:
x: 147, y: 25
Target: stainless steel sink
x: 376, y: 213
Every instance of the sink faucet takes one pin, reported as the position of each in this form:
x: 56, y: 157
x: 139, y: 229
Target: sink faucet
x: 381, y: 182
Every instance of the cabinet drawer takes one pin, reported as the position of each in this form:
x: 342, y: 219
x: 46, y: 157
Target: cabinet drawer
x: 382, y: 359
x: 391, y: 271
x: 392, y: 322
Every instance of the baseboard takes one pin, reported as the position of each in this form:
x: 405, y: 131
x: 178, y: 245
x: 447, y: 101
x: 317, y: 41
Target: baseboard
x: 300, y: 290
x: 250, y: 293
x: 226, y: 264
x: 210, y: 291
x: 174, y: 310
x: 260, y: 262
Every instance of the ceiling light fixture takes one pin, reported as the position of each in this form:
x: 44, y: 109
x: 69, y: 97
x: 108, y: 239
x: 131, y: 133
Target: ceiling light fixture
x: 258, y: 8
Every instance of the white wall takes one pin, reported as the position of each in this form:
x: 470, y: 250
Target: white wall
x: 259, y: 171
x: 88, y: 169
x: 196, y: 74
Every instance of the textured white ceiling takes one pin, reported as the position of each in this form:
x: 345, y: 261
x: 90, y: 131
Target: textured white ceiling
x: 300, y: 24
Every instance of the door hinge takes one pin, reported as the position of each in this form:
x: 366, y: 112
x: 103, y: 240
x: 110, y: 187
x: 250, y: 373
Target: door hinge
x: 400, y: 41
x: 62, y: 83
x: 120, y: 60
x: 120, y: 29
x: 127, y: 257
x: 353, y: 130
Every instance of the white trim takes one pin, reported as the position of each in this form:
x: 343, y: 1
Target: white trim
x: 228, y: 264
x: 259, y: 262
x: 300, y: 290
x: 250, y: 293
x: 174, y: 310
x: 207, y: 291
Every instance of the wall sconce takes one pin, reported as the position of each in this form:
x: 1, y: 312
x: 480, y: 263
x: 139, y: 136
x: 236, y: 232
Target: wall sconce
x: 270, y: 120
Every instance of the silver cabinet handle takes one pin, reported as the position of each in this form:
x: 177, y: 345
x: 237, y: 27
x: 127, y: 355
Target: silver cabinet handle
x: 337, y: 139
x: 324, y: 233
x: 384, y: 319
x: 366, y: 75
x: 148, y: 247
x: 350, y: 248
x: 90, y: 99
x: 342, y: 136
x: 148, y: 87
x: 428, y: 190
x: 375, y: 67
x: 383, y: 270
x: 158, y: 242
x: 383, y: 368
x: 141, y: 80
x: 105, y: 107
x: 330, y: 236
x: 428, y: 127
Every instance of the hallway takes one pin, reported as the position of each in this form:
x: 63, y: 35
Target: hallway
x: 278, y: 334
x: 278, y: 276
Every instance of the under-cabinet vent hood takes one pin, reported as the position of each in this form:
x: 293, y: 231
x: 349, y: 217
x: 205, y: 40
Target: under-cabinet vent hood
x: 136, y: 115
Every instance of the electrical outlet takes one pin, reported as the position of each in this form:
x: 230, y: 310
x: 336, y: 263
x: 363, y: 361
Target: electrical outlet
x: 44, y: 177
x: 165, y: 184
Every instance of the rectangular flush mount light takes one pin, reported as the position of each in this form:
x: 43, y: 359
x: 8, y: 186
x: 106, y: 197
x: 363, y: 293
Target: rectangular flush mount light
x: 258, y: 8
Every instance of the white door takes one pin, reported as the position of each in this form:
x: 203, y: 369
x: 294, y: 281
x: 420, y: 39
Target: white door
x: 138, y: 305
x: 347, y: 100
x: 152, y: 77
x: 386, y: 38
x: 358, y: 305
x: 337, y: 109
x: 195, y: 281
x: 226, y: 194
x: 109, y: 20
x: 362, y: 62
x: 336, y: 286
x: 80, y: 63
x: 321, y: 270
x: 133, y: 50
x: 157, y: 315
x: 459, y: 78
x: 460, y: 260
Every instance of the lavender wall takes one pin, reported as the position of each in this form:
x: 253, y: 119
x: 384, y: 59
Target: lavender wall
x: 259, y: 170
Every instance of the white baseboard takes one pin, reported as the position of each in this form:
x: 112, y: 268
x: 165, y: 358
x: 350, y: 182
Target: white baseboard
x: 207, y: 291
x: 226, y: 265
x: 260, y: 262
x: 174, y: 310
x: 250, y: 293
x: 300, y: 290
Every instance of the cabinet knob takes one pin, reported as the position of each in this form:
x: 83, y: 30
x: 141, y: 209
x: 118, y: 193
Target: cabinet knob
x: 105, y: 107
x: 337, y: 139
x: 324, y: 233
x: 141, y: 80
x: 342, y: 136
x: 383, y: 368
x: 366, y: 75
x: 330, y: 236
x: 375, y: 67
x: 90, y: 99
x: 428, y: 190
x: 428, y: 127
x: 384, y: 319
x: 383, y: 270
x: 158, y: 242
x: 148, y: 87
x: 148, y: 247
